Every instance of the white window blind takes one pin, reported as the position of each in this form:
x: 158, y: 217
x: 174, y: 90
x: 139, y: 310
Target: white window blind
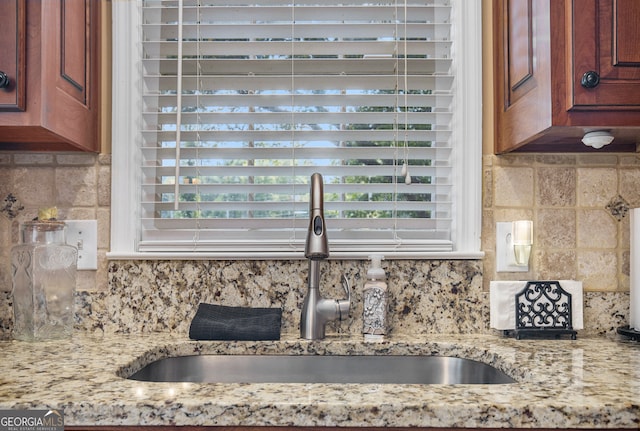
x: 242, y: 102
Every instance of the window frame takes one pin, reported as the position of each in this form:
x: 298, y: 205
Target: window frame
x: 126, y: 102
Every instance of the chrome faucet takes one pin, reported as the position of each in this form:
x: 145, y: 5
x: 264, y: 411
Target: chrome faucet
x: 316, y: 310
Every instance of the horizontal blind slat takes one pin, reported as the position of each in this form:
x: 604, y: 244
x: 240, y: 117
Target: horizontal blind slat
x: 159, y: 33
x: 271, y: 116
x: 349, y: 11
x: 298, y: 135
x: 359, y: 49
x: 310, y: 66
x: 439, y: 172
x: 243, y: 83
x: 325, y: 152
x: 221, y: 101
x: 274, y: 226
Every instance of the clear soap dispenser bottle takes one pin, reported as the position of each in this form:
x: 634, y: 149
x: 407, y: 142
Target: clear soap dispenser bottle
x: 375, y: 301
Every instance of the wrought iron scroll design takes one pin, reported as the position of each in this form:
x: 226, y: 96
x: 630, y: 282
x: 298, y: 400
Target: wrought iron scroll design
x: 543, y: 309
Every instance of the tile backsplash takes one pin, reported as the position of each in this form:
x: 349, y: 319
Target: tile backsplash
x: 576, y: 202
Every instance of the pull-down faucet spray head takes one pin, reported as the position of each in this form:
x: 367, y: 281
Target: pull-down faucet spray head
x: 317, y: 245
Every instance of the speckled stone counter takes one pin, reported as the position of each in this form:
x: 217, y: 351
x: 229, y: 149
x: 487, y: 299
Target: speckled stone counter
x: 588, y: 383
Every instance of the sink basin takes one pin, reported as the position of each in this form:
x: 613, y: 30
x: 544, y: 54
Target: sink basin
x: 321, y: 369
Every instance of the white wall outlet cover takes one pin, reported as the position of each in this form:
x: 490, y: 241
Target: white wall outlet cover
x: 83, y: 234
x: 505, y: 256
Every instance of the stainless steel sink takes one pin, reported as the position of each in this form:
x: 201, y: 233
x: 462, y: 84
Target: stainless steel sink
x: 321, y: 369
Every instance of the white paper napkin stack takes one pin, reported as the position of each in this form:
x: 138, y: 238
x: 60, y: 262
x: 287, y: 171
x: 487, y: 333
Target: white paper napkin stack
x: 502, y: 310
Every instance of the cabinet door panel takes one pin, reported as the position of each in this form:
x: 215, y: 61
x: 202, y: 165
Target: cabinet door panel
x: 606, y: 40
x: 13, y: 54
x: 626, y: 43
x: 519, y: 49
x: 69, y: 43
x: 522, y: 66
x: 74, y: 54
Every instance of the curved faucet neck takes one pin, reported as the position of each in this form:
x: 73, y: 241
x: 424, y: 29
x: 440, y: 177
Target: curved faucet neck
x: 317, y: 311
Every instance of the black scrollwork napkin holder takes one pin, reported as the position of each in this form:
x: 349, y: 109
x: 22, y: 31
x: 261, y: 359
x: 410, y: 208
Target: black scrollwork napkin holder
x: 543, y: 310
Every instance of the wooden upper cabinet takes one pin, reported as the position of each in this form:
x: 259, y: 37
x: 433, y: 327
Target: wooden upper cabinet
x: 51, y: 57
x: 563, y: 68
x: 606, y: 46
x: 12, y: 55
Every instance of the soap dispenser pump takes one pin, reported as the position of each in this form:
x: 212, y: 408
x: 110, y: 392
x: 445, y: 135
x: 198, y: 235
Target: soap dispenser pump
x: 375, y: 301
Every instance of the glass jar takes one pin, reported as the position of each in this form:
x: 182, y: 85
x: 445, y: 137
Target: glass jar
x: 43, y: 269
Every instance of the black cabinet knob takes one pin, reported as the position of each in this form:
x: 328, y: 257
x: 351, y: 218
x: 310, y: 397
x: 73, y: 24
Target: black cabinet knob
x: 590, y: 79
x: 4, y: 80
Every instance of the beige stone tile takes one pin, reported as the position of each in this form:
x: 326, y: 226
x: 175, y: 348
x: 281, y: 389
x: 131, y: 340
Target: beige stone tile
x: 76, y: 186
x: 598, y: 270
x: 556, y: 159
x: 556, y: 186
x: 556, y: 264
x: 6, y: 184
x: 625, y: 268
x: 623, y: 283
x: 489, y: 264
x: 630, y: 186
x: 488, y: 231
x: 513, y: 187
x: 79, y: 213
x: 104, y: 228
x: 597, y: 159
x: 102, y: 274
x: 624, y: 226
x: 487, y: 188
x: 511, y: 214
x: 33, y: 159
x: 76, y: 159
x: 514, y: 160
x: 35, y: 186
x: 104, y: 185
x: 596, y: 186
x: 629, y: 160
x: 596, y: 229
x: 555, y: 228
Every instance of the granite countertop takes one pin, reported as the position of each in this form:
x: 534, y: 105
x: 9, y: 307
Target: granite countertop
x: 587, y: 383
